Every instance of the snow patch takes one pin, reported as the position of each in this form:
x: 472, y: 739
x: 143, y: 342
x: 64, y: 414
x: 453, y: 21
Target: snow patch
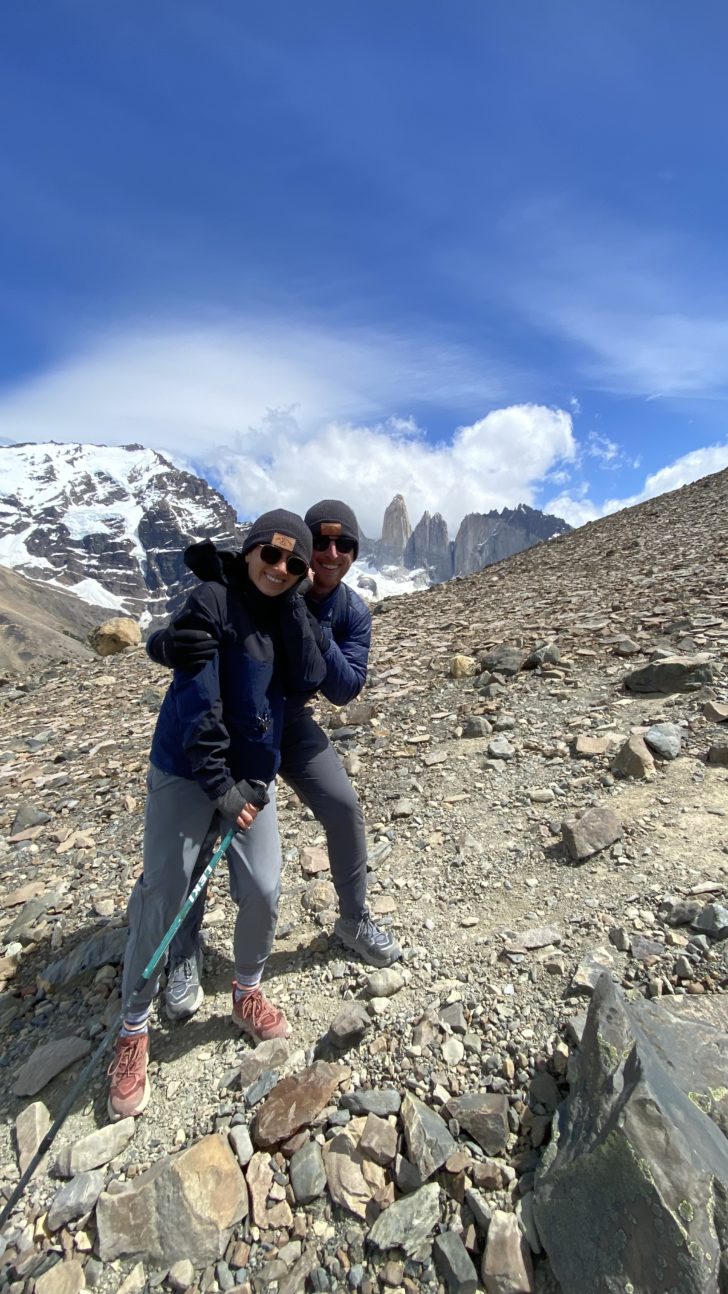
x: 390, y: 581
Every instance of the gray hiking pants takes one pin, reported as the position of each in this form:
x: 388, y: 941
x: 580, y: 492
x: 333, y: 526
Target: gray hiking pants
x: 180, y: 827
x: 311, y: 766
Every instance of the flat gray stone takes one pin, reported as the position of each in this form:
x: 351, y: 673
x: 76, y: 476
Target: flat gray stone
x: 453, y: 1264
x: 307, y: 1173
x: 239, y: 1138
x: 381, y: 1101
x: 74, y: 1199
x: 665, y: 739
x: 671, y: 674
x: 407, y: 1222
x: 95, y: 1150
x: 429, y: 1141
x: 104, y: 948
x: 31, y: 1126
x: 47, y: 1061
x: 506, y: 1267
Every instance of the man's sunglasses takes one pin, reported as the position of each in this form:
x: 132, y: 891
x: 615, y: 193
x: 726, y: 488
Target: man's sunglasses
x: 344, y: 544
x: 272, y: 555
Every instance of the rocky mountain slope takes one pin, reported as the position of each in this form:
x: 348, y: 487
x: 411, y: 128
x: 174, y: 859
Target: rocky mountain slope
x: 39, y: 624
x: 481, y: 539
x: 107, y: 524
x: 532, y: 820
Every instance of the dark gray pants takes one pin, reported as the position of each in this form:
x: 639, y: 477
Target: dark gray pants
x: 311, y: 766
x: 180, y: 828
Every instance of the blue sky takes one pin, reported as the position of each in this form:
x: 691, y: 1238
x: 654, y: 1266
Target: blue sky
x: 473, y: 252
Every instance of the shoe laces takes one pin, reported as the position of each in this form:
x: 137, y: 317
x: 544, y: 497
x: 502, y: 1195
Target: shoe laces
x: 128, y: 1056
x: 185, y: 966
x: 369, y: 931
x: 256, y: 1008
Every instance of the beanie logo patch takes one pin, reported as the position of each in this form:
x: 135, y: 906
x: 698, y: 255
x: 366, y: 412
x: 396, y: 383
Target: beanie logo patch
x: 283, y: 541
x: 330, y: 528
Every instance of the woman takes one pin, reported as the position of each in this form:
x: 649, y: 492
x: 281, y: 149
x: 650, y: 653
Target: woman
x: 218, y: 732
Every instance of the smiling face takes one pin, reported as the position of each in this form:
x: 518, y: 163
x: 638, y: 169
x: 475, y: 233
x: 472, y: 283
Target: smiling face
x: 329, y: 569
x: 270, y: 580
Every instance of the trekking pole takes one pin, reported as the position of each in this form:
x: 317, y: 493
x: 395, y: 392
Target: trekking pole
x: 113, y: 1029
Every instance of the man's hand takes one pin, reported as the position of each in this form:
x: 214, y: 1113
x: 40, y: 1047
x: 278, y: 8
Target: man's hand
x: 241, y: 804
x: 187, y: 648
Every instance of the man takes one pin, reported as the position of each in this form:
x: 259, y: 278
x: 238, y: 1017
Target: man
x: 342, y: 625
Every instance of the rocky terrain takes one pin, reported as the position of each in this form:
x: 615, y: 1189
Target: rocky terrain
x: 542, y: 753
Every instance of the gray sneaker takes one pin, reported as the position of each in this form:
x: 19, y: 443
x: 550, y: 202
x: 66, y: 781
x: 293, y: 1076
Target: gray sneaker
x: 184, y: 993
x: 375, y: 946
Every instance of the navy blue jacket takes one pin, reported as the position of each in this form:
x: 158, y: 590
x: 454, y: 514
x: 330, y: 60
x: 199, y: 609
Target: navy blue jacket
x: 224, y: 721
x: 347, y: 622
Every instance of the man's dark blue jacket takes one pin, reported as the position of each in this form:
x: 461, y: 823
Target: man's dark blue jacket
x: 347, y: 625
x: 224, y: 721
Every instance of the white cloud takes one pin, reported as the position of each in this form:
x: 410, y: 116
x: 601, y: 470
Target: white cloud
x: 287, y: 414
x: 577, y: 508
x: 180, y: 388
x: 495, y: 462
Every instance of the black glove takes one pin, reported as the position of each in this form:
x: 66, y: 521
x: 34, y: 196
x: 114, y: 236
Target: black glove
x: 232, y: 803
x: 187, y: 648
x: 292, y: 595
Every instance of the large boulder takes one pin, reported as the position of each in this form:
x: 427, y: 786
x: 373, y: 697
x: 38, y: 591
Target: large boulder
x: 184, y: 1204
x: 632, y: 1190
x: 671, y: 674
x: 114, y: 636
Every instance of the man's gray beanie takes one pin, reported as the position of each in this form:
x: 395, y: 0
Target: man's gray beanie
x: 334, y: 512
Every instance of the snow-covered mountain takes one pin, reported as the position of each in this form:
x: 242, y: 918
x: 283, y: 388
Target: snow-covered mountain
x: 107, y: 524
x: 110, y: 525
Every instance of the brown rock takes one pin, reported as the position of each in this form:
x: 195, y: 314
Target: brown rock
x: 716, y: 712
x: 462, y: 666
x: 718, y: 754
x: 378, y: 1141
x: 114, y: 636
x: 594, y: 830
x: 633, y: 759
x: 31, y: 1126
x: 260, y: 1180
x: 345, y: 1178
x: 196, y: 1197
x: 318, y: 896
x: 588, y: 747
x: 65, y: 1278
x: 266, y: 1056
x: 485, y: 1116
x: 506, y: 1267
x: 314, y: 860
x: 295, y: 1101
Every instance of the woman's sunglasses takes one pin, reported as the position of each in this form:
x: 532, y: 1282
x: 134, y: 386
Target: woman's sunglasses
x: 272, y: 555
x: 344, y: 544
